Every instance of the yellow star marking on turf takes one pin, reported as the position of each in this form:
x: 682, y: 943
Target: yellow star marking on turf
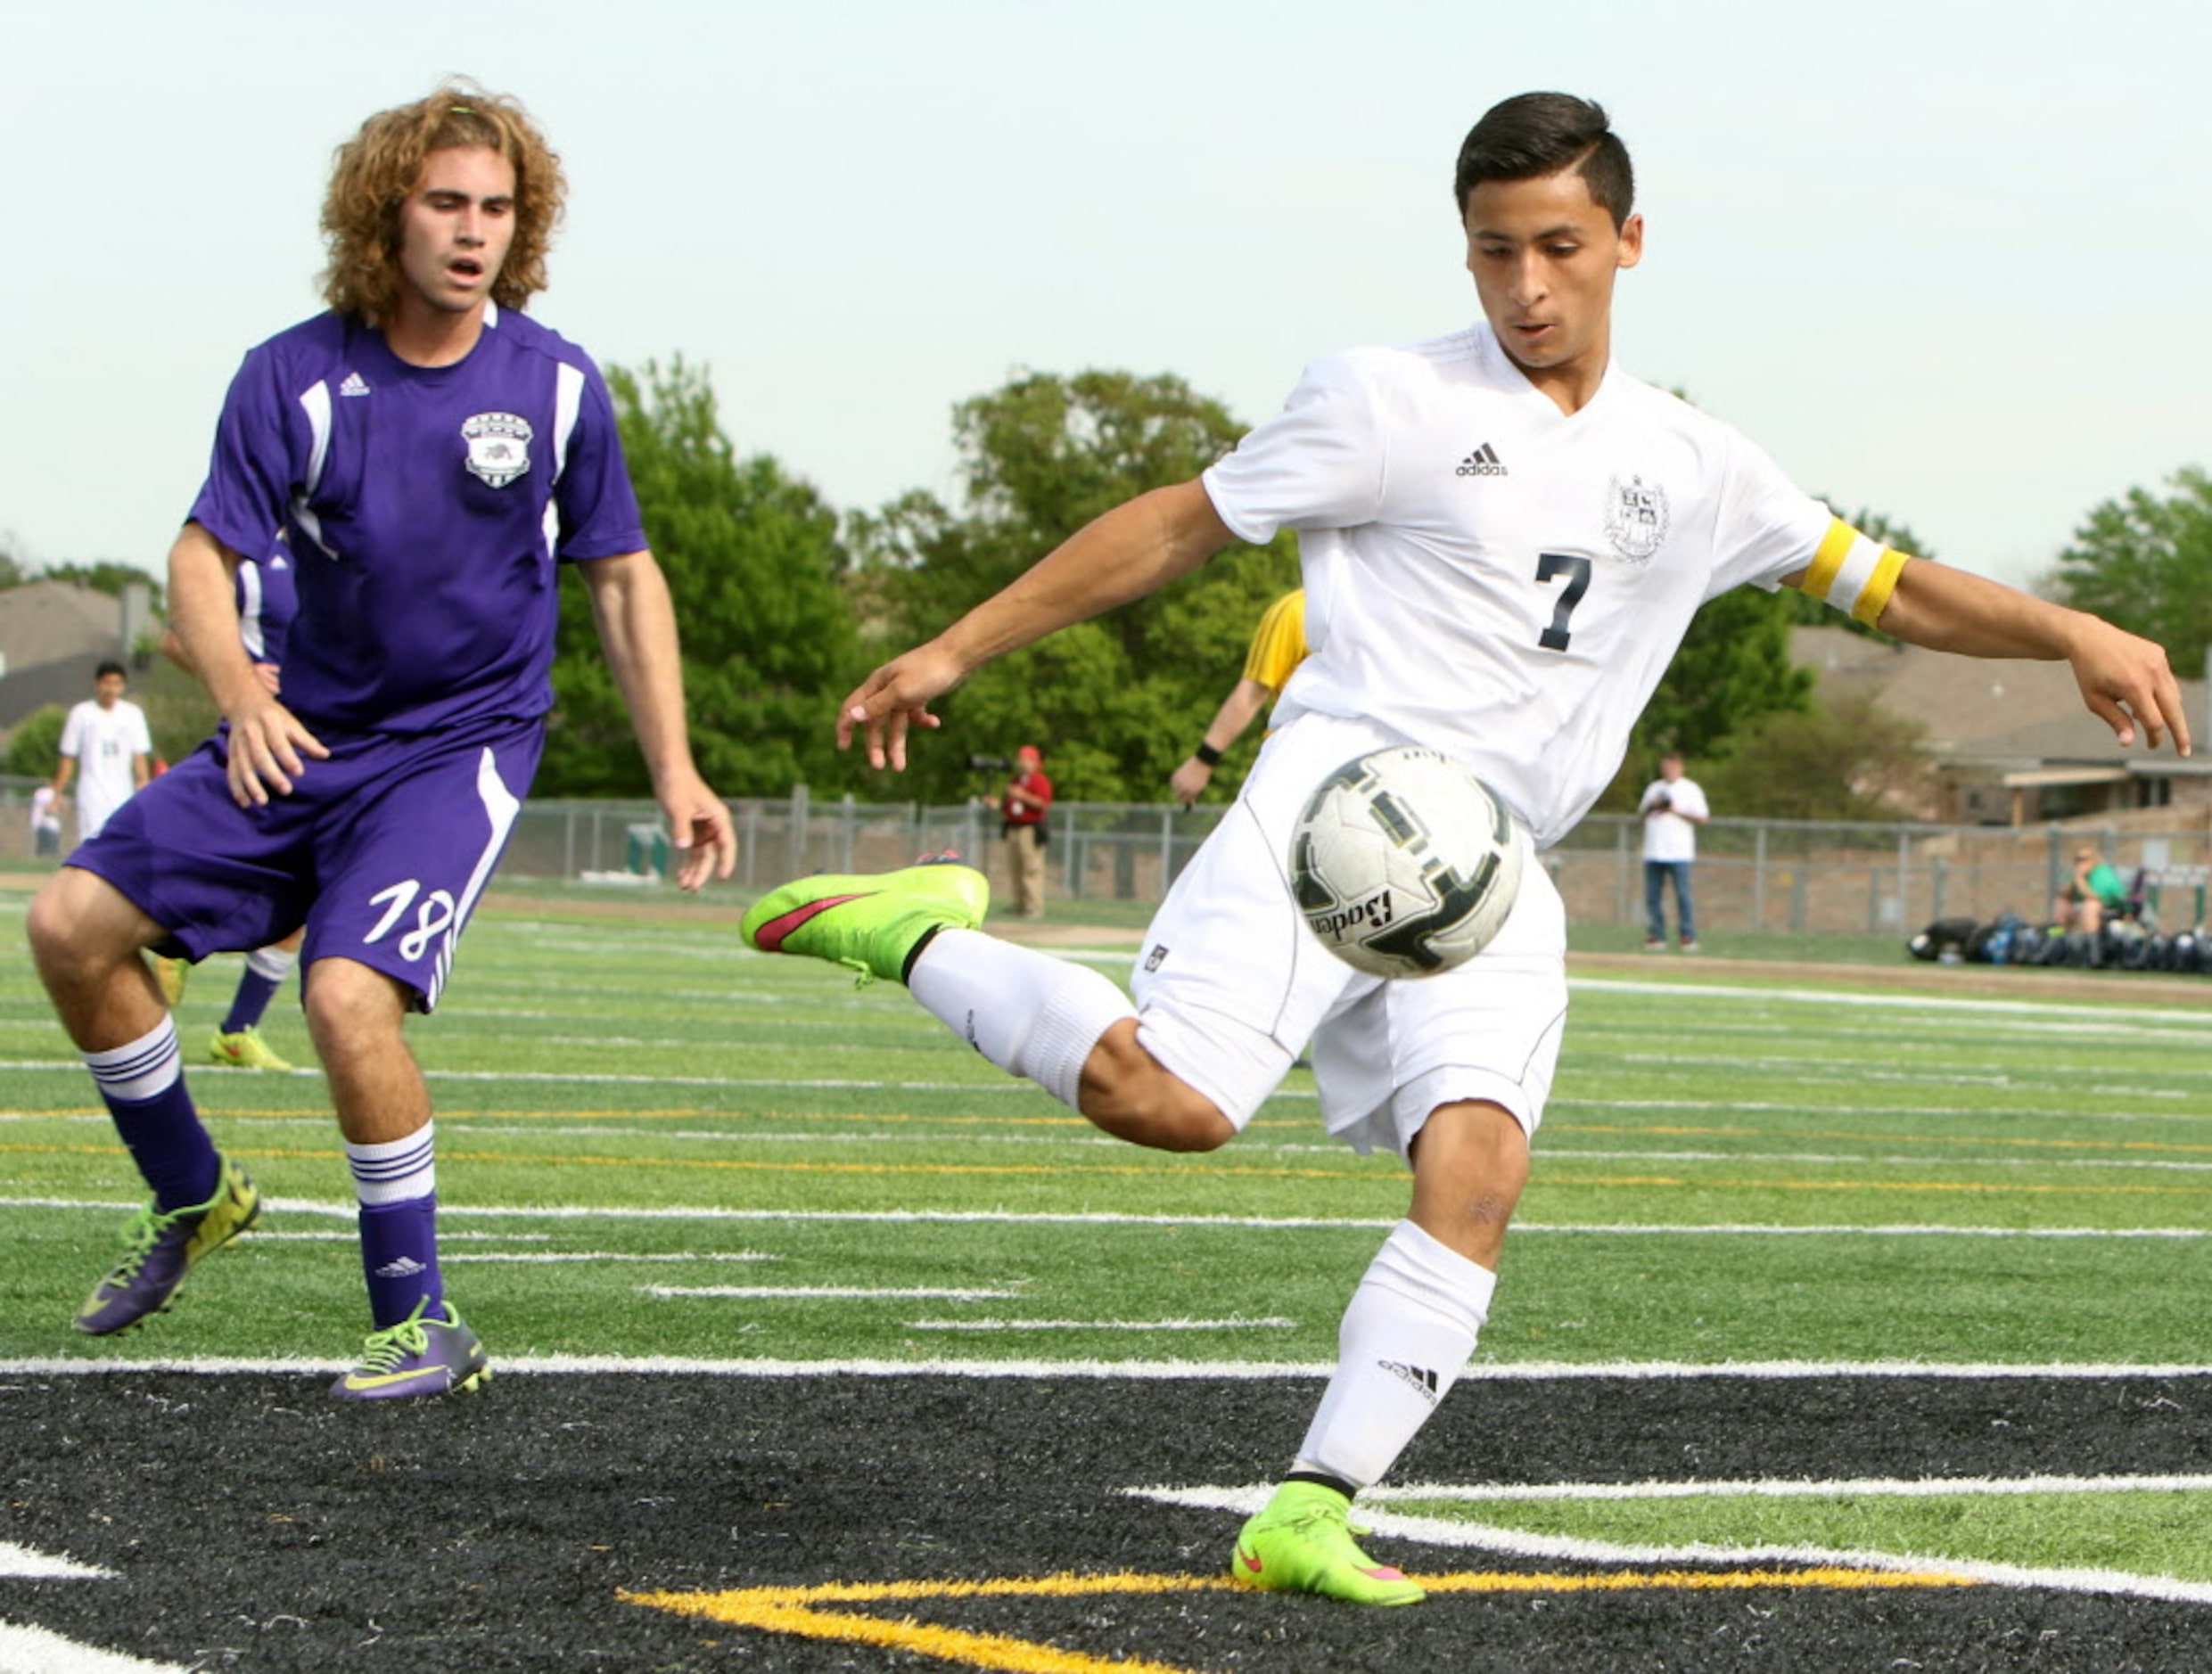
x: 796, y: 1610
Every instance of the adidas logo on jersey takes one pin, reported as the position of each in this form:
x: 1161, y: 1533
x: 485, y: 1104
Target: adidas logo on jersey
x: 1484, y: 462
x: 355, y: 384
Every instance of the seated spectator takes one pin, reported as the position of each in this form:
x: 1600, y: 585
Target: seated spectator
x: 2096, y: 894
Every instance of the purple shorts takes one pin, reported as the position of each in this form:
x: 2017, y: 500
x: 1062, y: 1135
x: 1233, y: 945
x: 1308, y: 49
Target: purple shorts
x: 381, y: 851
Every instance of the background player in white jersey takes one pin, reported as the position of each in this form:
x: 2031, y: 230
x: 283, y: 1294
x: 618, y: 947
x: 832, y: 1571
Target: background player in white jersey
x: 1503, y: 537
x: 266, y: 601
x: 107, y: 749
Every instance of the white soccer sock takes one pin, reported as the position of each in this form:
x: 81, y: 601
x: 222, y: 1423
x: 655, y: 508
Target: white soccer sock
x: 397, y: 1171
x: 1028, y: 1012
x: 1406, y: 1337
x: 272, y: 964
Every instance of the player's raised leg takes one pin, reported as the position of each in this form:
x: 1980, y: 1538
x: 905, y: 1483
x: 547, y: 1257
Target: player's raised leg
x: 1063, y: 1025
x: 420, y: 1345
x: 88, y: 941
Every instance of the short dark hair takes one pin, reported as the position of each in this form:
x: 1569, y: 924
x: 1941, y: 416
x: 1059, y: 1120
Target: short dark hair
x: 108, y: 667
x: 1536, y: 133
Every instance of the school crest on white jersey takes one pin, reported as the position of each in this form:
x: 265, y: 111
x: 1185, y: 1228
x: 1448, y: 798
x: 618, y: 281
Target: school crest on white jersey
x: 1635, y: 517
x: 498, y: 448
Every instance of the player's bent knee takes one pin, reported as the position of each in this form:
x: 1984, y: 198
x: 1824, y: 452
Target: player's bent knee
x: 1126, y: 1093
x: 351, y: 1007
x: 79, y: 924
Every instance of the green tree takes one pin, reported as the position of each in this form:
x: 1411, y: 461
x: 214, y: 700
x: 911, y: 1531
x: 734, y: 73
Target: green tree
x: 2145, y: 564
x: 1117, y: 702
x: 1849, y: 760
x: 754, y: 562
x: 35, y: 746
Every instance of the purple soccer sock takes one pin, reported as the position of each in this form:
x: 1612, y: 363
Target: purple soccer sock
x: 399, y: 1259
x: 144, y: 1086
x: 248, y: 1006
x: 397, y: 1182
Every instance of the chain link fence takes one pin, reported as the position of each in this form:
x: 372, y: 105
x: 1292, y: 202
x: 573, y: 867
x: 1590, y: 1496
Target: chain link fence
x: 1785, y: 875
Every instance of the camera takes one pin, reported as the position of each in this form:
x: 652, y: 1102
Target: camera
x: 1663, y: 802
x: 988, y: 764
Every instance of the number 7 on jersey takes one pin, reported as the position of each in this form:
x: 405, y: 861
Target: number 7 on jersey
x: 1551, y: 566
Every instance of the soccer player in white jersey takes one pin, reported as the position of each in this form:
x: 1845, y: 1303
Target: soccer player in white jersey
x: 1503, y: 537
x: 106, y: 748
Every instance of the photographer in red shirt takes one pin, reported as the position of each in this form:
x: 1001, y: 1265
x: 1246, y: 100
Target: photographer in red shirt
x: 1027, y: 800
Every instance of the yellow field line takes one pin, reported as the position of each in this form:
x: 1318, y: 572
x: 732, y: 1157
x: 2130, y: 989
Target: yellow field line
x: 795, y: 1609
x: 1355, y: 1172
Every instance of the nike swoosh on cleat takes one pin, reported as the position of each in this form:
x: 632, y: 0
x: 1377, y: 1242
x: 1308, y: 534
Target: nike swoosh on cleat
x: 384, y: 1380
x: 1384, y: 1572
x: 770, y: 937
x: 1249, y: 1560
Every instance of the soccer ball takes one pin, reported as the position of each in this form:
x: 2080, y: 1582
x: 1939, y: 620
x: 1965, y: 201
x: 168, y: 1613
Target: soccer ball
x: 1404, y: 863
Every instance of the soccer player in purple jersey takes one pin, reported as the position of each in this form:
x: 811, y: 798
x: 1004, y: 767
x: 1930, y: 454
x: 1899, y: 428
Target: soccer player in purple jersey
x: 432, y: 455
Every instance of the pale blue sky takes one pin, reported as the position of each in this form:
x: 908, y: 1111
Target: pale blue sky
x: 1948, y: 260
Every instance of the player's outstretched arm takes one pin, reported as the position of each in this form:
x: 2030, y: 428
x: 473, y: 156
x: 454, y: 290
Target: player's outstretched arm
x: 1238, y: 711
x: 266, y: 740
x: 2125, y: 680
x: 1135, y: 549
x: 637, y: 623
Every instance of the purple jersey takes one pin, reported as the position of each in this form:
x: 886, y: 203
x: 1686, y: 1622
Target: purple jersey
x: 267, y: 600
x: 425, y: 507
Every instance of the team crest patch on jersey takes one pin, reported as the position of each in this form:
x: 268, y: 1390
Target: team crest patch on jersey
x: 498, y: 448
x: 1635, y: 517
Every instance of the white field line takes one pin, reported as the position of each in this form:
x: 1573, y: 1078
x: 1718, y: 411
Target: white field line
x: 596, y: 1257
x: 28, y: 1564
x: 445, y: 1236
x: 2068, y: 1012
x: 1233, y: 1324
x: 1438, y: 1531
x: 827, y: 1292
x: 35, y: 1651
x: 1231, y: 1371
x: 1791, y: 1488
x: 1229, y: 1223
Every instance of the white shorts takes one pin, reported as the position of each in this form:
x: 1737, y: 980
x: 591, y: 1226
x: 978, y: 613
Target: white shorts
x: 1232, y: 986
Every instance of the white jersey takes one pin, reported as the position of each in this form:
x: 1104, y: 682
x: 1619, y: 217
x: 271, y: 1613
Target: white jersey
x: 1671, y: 834
x: 102, y: 741
x: 1494, y: 578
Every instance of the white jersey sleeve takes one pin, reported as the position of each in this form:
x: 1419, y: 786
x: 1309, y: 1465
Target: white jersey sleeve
x: 1765, y: 526
x: 1319, y: 464
x: 138, y: 735
x: 73, y: 730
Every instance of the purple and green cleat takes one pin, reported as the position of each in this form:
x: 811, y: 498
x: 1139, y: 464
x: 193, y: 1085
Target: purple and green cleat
x: 160, y: 1249
x: 875, y: 922
x: 1302, y: 1543
x: 419, y: 1355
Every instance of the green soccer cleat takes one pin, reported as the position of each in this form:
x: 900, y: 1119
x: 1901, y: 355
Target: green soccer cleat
x: 158, y: 1249
x: 425, y: 1354
x: 875, y: 922
x: 243, y: 1050
x: 170, y: 973
x: 1302, y: 1543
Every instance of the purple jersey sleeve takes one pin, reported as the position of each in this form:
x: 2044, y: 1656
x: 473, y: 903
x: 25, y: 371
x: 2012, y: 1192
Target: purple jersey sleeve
x: 258, y: 457
x: 598, y: 508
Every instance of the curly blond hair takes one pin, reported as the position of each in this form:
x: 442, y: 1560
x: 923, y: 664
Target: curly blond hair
x: 376, y: 170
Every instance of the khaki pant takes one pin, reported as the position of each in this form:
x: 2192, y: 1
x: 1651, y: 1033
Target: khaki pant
x: 1025, y: 861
